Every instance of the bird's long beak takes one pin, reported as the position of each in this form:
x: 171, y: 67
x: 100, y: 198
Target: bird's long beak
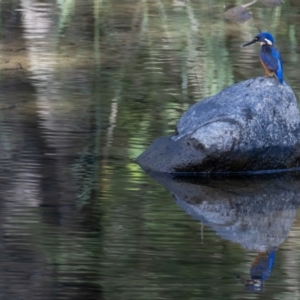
x: 249, y: 43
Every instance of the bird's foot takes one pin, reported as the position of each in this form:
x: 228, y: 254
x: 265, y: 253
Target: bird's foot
x: 270, y: 74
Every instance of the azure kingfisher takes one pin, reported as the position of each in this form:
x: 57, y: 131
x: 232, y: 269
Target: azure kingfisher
x: 270, y: 57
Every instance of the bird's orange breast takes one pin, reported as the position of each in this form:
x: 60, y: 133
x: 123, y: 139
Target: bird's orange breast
x: 265, y: 67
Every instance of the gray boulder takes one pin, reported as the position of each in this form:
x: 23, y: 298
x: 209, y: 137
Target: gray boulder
x: 251, y: 126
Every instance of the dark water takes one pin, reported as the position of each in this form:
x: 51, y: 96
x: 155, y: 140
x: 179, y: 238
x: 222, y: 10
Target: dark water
x: 85, y: 87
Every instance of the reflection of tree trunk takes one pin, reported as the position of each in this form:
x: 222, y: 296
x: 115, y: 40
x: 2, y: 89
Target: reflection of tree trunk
x: 21, y: 196
x: 112, y: 124
x: 40, y: 195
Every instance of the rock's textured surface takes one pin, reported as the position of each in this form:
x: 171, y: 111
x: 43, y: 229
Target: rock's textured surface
x: 250, y: 126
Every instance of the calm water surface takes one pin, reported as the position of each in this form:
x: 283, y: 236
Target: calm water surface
x: 85, y: 87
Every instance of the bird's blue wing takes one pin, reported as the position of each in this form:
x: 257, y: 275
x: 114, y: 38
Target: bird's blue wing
x: 279, y: 71
x: 272, y: 59
x: 269, y: 60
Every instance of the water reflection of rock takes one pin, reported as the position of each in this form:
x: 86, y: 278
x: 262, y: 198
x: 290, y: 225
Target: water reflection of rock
x: 258, y: 214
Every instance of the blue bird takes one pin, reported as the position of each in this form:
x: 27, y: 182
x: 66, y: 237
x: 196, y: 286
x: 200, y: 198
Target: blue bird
x: 270, y: 57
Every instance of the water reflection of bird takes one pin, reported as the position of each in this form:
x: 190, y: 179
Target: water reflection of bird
x: 270, y: 57
x: 261, y: 269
